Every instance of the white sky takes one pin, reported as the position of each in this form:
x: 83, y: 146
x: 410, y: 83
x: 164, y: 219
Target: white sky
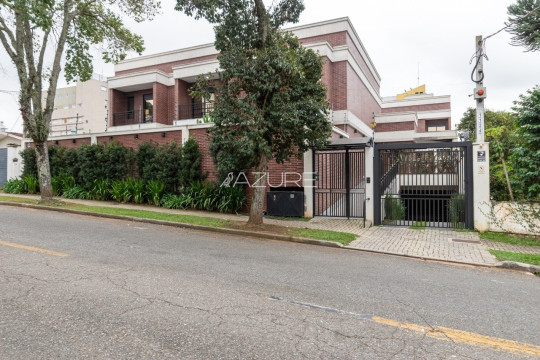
x: 398, y: 35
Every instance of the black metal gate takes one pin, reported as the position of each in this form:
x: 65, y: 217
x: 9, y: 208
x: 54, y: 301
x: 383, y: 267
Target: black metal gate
x: 340, y: 182
x: 424, y: 185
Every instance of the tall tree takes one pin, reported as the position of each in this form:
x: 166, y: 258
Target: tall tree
x: 526, y: 156
x: 38, y: 34
x: 524, y: 24
x: 500, y: 132
x: 272, y: 103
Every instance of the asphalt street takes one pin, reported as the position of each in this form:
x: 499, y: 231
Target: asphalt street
x: 77, y: 287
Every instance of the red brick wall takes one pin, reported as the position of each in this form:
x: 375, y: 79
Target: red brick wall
x: 129, y: 141
x: 119, y: 101
x: 68, y: 143
x: 396, y: 126
x: 207, y: 163
x: 338, y: 85
x: 430, y: 107
x: 359, y: 100
x: 161, y: 104
x: 335, y: 39
x: 362, y: 62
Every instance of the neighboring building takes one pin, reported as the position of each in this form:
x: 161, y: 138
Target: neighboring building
x: 10, y: 159
x: 80, y: 109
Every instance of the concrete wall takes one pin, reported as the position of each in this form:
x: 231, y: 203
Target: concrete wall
x: 518, y: 218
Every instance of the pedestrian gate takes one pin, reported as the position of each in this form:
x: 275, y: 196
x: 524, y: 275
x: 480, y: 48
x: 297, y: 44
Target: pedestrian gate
x: 424, y: 185
x: 340, y: 182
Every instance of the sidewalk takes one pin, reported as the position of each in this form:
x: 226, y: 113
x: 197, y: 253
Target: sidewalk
x: 429, y: 243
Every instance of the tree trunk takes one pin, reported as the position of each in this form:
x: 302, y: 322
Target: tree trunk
x: 507, y: 179
x: 42, y: 159
x: 257, y: 199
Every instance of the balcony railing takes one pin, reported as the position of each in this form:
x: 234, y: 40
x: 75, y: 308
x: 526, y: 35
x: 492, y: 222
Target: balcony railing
x: 194, y: 111
x: 132, y: 117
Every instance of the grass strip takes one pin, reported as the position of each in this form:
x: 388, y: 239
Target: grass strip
x: 511, y: 256
x: 510, y: 239
x: 418, y: 225
x: 328, y: 235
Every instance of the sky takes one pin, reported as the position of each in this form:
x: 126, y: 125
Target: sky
x: 430, y: 39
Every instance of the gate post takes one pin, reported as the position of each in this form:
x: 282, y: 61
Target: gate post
x: 309, y: 183
x: 347, y: 184
x: 481, y: 191
x: 370, y: 196
x: 376, y: 187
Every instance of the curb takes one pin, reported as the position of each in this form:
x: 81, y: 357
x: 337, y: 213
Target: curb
x: 513, y: 265
x: 423, y: 258
x: 183, y: 225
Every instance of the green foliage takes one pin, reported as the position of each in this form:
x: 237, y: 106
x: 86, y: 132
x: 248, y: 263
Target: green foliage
x: 89, y: 159
x: 32, y: 184
x: 518, y: 257
x: 122, y: 190
x: 77, y: 192
x: 14, y: 186
x: 207, y: 196
x: 116, y: 161
x: 456, y: 209
x: 524, y: 24
x: 155, y: 189
x: 162, y: 163
x: 190, y: 164
x: 28, y: 156
x: 501, y: 134
x: 526, y: 156
x: 101, y: 189
x: 393, y: 208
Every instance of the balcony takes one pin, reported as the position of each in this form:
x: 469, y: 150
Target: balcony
x: 195, y: 110
x: 132, y: 117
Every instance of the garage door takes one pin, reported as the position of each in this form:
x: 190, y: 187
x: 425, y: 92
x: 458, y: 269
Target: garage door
x: 3, y: 166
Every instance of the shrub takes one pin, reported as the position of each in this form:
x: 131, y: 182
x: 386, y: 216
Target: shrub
x: 116, y: 161
x: 155, y: 191
x: 32, y: 184
x: 393, y: 208
x: 101, y: 189
x: 457, y: 211
x: 121, y: 191
x: 14, y: 186
x: 231, y: 199
x: 190, y: 164
x: 77, y: 192
x: 28, y: 156
x: 137, y: 188
x: 182, y: 201
x: 161, y: 164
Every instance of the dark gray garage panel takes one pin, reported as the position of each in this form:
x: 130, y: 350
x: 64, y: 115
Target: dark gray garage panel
x: 3, y: 166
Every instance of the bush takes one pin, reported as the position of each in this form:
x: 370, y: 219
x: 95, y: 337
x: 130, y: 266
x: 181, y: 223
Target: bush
x: 28, y: 156
x: 77, y: 192
x: 14, y: 186
x: 161, y: 164
x: 190, y: 164
x: 457, y: 211
x: 32, y: 184
x: 393, y: 208
x: 121, y: 191
x: 101, y: 189
x: 155, y: 190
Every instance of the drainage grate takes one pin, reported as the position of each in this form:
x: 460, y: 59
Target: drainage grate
x: 467, y: 241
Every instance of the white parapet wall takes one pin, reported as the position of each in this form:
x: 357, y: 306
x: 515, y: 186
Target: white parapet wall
x: 514, y: 217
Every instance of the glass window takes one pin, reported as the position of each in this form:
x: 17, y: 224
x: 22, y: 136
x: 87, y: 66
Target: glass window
x: 436, y: 126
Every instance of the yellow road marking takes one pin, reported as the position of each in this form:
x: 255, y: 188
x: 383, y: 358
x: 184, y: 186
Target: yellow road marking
x: 465, y: 337
x: 35, y: 249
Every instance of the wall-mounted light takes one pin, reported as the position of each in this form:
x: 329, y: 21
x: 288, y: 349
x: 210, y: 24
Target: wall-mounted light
x: 136, y: 136
x: 55, y: 142
x: 74, y: 141
x: 163, y: 134
x: 110, y: 138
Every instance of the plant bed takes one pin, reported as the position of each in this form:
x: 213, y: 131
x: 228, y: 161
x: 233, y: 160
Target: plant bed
x: 511, y: 238
x: 518, y: 257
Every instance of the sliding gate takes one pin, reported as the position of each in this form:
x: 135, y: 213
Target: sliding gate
x: 340, y: 182
x: 424, y: 185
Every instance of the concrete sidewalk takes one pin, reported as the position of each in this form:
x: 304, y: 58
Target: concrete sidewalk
x: 429, y: 243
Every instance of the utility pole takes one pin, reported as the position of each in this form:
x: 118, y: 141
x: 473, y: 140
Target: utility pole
x: 480, y: 90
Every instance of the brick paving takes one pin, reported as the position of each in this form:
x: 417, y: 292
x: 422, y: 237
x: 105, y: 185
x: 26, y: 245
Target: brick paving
x: 430, y: 243
x: 437, y: 244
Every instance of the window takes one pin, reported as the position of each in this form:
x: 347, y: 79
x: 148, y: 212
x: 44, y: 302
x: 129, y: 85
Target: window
x: 436, y: 126
x: 148, y: 106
